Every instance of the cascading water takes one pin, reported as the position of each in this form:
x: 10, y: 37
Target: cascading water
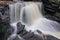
x: 33, y: 20
x: 12, y: 12
x: 13, y: 35
x: 26, y: 16
x: 18, y: 7
x: 14, y: 19
x: 31, y: 17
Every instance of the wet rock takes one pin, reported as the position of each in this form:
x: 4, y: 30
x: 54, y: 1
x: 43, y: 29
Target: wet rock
x: 28, y: 35
x: 19, y: 38
x: 22, y: 33
x: 52, y: 10
x: 5, y: 31
x: 49, y: 37
x: 20, y: 27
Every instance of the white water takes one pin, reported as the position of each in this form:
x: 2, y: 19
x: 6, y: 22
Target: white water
x: 34, y: 20
x: 18, y: 7
x: 14, y: 10
x: 12, y: 19
x: 13, y: 35
x: 29, y: 13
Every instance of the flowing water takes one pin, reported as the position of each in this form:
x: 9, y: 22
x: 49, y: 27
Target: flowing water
x: 34, y: 20
x: 31, y: 16
x: 14, y: 18
x: 12, y: 12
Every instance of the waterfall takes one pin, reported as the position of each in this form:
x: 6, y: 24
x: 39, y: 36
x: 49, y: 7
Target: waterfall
x: 14, y: 34
x: 12, y: 20
x: 28, y: 19
x: 17, y: 11
x: 18, y: 7
x: 12, y: 13
x: 14, y: 10
x: 33, y: 19
x: 31, y: 16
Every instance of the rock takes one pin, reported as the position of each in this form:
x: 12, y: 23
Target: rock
x: 20, y: 27
x: 19, y: 38
x: 49, y: 37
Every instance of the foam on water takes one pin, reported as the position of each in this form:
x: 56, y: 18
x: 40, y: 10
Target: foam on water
x: 14, y: 17
x: 13, y: 35
x: 34, y: 20
x: 28, y: 14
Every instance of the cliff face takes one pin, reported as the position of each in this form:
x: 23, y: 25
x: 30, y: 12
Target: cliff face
x: 52, y: 10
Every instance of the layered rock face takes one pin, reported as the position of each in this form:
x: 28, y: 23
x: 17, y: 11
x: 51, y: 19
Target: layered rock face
x: 52, y: 9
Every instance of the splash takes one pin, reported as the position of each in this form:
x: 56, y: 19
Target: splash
x: 13, y: 35
x: 14, y: 18
x: 28, y: 14
x: 34, y: 20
